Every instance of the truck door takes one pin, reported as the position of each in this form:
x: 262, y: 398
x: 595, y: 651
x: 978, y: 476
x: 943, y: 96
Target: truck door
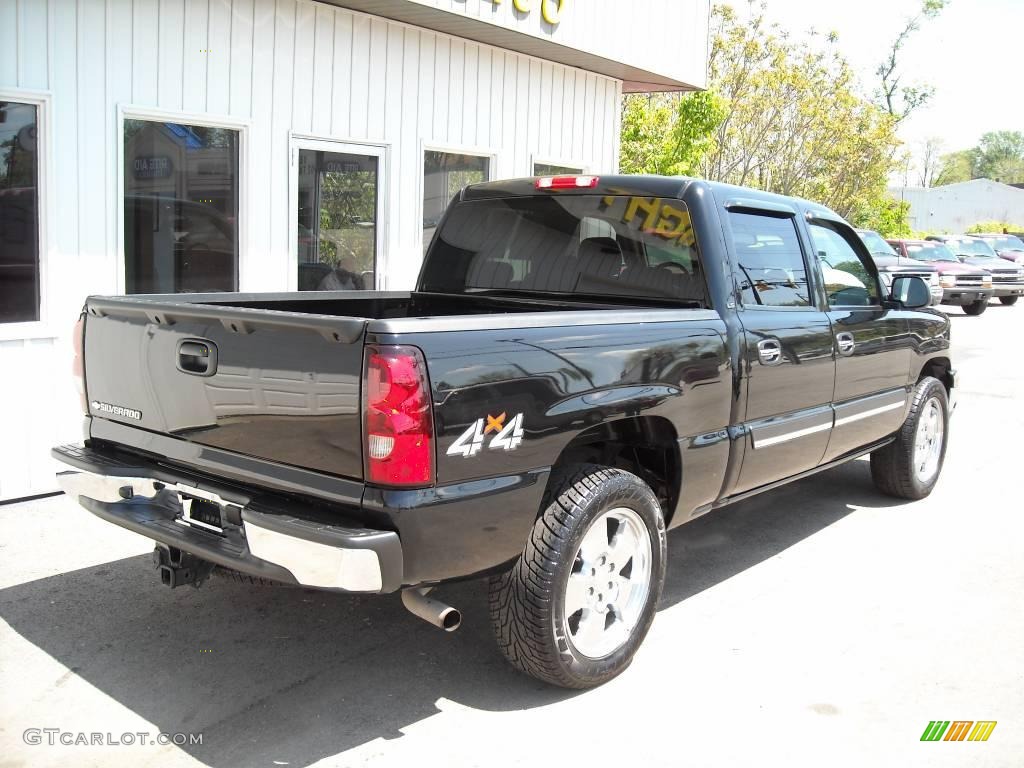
x: 788, y: 359
x: 873, y: 350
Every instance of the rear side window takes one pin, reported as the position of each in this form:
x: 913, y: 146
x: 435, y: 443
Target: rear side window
x: 586, y: 245
x: 771, y: 263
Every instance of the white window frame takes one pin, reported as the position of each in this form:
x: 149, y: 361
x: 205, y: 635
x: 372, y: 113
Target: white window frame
x: 241, y: 125
x: 382, y: 151
x: 491, y: 153
x: 43, y: 327
x: 535, y: 159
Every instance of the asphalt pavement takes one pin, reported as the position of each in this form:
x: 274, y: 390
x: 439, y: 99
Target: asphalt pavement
x: 820, y: 624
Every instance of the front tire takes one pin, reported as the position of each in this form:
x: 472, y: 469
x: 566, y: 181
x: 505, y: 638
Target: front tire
x: 575, y: 607
x: 976, y: 308
x: 1008, y: 300
x: 909, y: 467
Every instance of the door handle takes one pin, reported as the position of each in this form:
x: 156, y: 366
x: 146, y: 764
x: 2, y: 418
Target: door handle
x: 197, y: 357
x: 845, y: 343
x: 769, y: 351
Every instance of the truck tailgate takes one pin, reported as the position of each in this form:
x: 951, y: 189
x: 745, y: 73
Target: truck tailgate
x: 281, y: 386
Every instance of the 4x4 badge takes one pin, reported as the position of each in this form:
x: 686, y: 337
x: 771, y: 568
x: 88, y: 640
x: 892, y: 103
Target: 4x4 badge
x: 472, y: 440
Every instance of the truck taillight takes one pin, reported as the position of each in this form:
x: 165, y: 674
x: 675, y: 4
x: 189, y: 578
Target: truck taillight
x: 77, y: 362
x: 566, y: 182
x: 398, y: 421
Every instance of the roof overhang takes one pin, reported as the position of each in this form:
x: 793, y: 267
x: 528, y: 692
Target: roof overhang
x: 634, y: 79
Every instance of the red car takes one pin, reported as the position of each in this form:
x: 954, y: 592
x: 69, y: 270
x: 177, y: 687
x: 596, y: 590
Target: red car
x: 962, y: 284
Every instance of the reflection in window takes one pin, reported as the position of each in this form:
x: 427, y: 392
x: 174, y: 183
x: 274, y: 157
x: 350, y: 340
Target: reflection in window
x: 444, y: 174
x: 546, y: 169
x: 848, y: 278
x: 770, y: 260
x: 337, y: 227
x: 180, y: 208
x: 19, y: 213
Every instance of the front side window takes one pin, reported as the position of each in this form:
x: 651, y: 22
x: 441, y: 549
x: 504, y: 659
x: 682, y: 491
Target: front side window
x: 849, y: 277
x: 180, y: 208
x: 444, y: 174
x: 771, y: 263
x: 19, y: 213
x: 565, y: 244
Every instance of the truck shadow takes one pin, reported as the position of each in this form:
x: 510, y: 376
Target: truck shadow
x: 290, y: 675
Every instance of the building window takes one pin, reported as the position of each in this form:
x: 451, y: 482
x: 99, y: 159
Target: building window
x: 180, y: 208
x: 19, y: 213
x: 337, y: 221
x: 547, y: 169
x: 444, y: 174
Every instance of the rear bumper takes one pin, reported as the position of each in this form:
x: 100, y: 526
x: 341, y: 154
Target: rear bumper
x: 257, y: 539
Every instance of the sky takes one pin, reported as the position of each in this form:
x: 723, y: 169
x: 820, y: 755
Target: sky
x: 972, y: 54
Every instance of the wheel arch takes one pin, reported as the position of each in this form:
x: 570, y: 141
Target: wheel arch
x: 647, y: 446
x: 940, y: 368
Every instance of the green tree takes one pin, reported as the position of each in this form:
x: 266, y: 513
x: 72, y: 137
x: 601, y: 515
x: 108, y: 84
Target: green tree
x: 794, y: 121
x: 895, y: 98
x: 668, y: 133
x: 999, y: 155
x: 957, y: 166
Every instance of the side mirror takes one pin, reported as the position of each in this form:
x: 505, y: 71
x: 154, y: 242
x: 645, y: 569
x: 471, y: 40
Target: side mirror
x: 962, y: 256
x: 910, y: 292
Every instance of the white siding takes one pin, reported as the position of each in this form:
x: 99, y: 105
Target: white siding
x: 277, y: 68
x: 956, y: 207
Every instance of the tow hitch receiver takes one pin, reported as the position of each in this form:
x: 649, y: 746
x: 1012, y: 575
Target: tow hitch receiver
x: 179, y: 568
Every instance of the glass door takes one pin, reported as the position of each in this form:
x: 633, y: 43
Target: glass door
x: 336, y: 215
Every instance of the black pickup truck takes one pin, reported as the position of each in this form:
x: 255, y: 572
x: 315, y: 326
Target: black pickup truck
x: 585, y: 363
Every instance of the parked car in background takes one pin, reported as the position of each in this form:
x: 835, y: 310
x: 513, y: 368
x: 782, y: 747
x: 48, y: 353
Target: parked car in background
x: 1009, y: 247
x: 963, y: 285
x: 890, y: 264
x: 1007, y: 279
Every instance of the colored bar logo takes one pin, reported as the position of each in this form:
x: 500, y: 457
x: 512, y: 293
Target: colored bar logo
x: 958, y: 730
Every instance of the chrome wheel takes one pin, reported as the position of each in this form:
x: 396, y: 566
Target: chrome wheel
x: 607, y: 588
x: 928, y: 440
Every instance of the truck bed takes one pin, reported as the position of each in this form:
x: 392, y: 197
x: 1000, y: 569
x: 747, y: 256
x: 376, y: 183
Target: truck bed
x: 282, y: 378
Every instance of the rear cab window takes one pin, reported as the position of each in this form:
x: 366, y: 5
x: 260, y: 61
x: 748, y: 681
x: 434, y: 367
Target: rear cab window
x: 588, y: 246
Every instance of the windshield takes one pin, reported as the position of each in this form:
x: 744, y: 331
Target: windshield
x: 876, y: 245
x: 1007, y: 243
x: 930, y: 252
x: 587, y: 245
x: 972, y: 247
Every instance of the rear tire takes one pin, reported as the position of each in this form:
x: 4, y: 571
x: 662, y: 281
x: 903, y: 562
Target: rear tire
x: 1008, y: 300
x: 976, y: 308
x: 575, y: 607
x: 909, y: 467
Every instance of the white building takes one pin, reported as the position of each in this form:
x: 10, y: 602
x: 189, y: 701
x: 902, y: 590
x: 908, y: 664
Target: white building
x: 266, y: 145
x: 953, y: 208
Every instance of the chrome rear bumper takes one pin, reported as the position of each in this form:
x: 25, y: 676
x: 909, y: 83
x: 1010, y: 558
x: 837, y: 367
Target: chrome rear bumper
x: 264, y: 542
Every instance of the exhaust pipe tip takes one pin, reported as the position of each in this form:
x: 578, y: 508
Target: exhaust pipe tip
x: 451, y: 619
x: 433, y: 611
